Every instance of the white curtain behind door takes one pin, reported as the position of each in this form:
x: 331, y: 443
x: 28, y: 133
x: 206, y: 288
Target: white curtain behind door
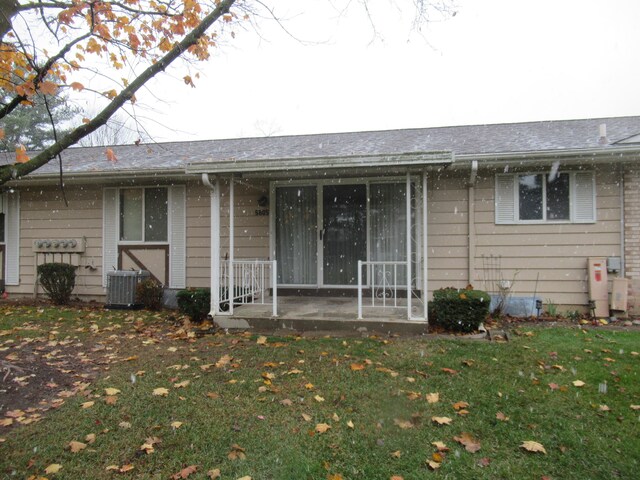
x: 388, y: 234
x: 296, y: 235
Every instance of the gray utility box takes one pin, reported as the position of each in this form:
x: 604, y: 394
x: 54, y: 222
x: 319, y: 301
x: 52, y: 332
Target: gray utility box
x: 121, y: 288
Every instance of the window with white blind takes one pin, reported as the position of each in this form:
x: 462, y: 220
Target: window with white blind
x: 539, y: 197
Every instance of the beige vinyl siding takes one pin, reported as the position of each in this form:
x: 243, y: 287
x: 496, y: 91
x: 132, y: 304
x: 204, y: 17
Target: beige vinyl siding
x: 43, y: 215
x: 555, y: 254
x: 251, y: 238
x: 447, y: 241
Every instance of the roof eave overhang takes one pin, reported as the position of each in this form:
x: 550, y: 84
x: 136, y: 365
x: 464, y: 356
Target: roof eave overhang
x: 297, y: 165
x: 102, y: 178
x: 587, y: 156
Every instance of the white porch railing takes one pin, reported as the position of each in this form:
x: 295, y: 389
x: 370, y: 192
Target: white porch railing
x: 251, y: 281
x: 384, y: 280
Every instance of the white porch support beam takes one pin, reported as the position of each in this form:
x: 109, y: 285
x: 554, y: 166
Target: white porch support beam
x: 425, y: 249
x: 231, y: 243
x: 408, y: 202
x: 471, y: 217
x: 215, y: 242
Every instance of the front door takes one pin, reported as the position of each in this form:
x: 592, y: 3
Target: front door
x: 344, y: 234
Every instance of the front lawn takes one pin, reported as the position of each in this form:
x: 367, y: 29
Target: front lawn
x: 144, y: 398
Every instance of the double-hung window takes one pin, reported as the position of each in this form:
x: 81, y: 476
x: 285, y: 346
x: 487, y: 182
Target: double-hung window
x: 144, y: 215
x: 539, y: 197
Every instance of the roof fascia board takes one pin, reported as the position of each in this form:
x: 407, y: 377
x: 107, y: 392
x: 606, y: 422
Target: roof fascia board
x: 600, y: 155
x: 131, y: 176
x: 315, y: 163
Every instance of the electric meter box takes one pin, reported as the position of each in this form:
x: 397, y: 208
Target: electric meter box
x: 598, y: 286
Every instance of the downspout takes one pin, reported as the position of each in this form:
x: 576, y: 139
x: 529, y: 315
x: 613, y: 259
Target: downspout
x: 215, y: 242
x: 471, y: 216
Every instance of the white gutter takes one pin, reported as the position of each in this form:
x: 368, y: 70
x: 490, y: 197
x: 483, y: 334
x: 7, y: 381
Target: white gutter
x: 405, y: 160
x: 100, y: 177
x: 592, y: 155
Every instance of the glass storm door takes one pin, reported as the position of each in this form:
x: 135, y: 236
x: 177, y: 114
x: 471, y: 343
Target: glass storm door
x: 344, y: 233
x: 296, y: 230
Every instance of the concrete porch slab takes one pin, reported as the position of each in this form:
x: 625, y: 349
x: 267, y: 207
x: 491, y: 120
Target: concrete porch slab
x: 317, y: 314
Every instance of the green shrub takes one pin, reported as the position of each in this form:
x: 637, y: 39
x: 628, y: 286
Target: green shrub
x: 459, y: 310
x: 195, y: 302
x: 57, y: 280
x: 149, y: 293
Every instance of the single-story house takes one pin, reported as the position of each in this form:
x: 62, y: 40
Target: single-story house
x: 385, y: 217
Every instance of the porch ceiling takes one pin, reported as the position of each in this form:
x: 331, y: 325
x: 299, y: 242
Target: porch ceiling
x: 313, y: 165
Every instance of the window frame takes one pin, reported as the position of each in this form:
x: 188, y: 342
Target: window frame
x: 143, y: 213
x: 574, y: 217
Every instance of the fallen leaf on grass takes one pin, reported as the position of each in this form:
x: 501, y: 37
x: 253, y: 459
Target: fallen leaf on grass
x: 160, y: 392
x: 450, y: 371
x: 214, y: 474
x: 318, y: 399
x: 185, y: 472
x: 182, y: 384
x: 213, y: 395
x: 350, y: 424
x: 76, y: 447
x: 322, y: 427
x: 604, y: 408
x: 441, y: 420
x: 111, y: 391
x: 53, y: 468
x: 396, y: 477
x: 433, y: 465
x: 531, y: 446
x: 440, y: 446
x: 433, y: 397
x: 307, y: 418
x: 87, y: 404
x: 357, y: 366
x: 484, y: 462
x: 286, y: 402
x: 403, y: 424
x: 236, y: 453
x: 90, y: 438
x: 176, y: 425
x: 635, y: 407
x: 460, y: 405
x: 246, y: 477
x: 262, y: 340
x: 224, y: 360
x: 396, y: 454
x: 470, y: 444
x: 111, y: 400
x: 502, y: 417
x: 578, y: 383
x: 124, y: 425
x: 6, y: 422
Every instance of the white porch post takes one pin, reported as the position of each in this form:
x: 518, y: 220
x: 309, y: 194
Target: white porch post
x: 231, y: 245
x: 408, y: 198
x: 425, y: 250
x: 215, y: 244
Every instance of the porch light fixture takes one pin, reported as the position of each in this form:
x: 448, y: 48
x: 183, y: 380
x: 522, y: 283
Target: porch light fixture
x: 538, y: 306
x: 592, y: 308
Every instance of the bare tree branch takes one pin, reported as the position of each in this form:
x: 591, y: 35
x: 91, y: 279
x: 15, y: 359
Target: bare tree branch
x: 12, y: 172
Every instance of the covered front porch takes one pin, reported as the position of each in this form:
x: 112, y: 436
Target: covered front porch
x: 360, y: 228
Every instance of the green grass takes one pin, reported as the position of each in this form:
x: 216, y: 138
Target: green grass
x: 581, y: 440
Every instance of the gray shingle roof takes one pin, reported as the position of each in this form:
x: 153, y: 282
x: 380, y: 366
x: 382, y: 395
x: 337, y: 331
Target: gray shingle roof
x: 547, y: 136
